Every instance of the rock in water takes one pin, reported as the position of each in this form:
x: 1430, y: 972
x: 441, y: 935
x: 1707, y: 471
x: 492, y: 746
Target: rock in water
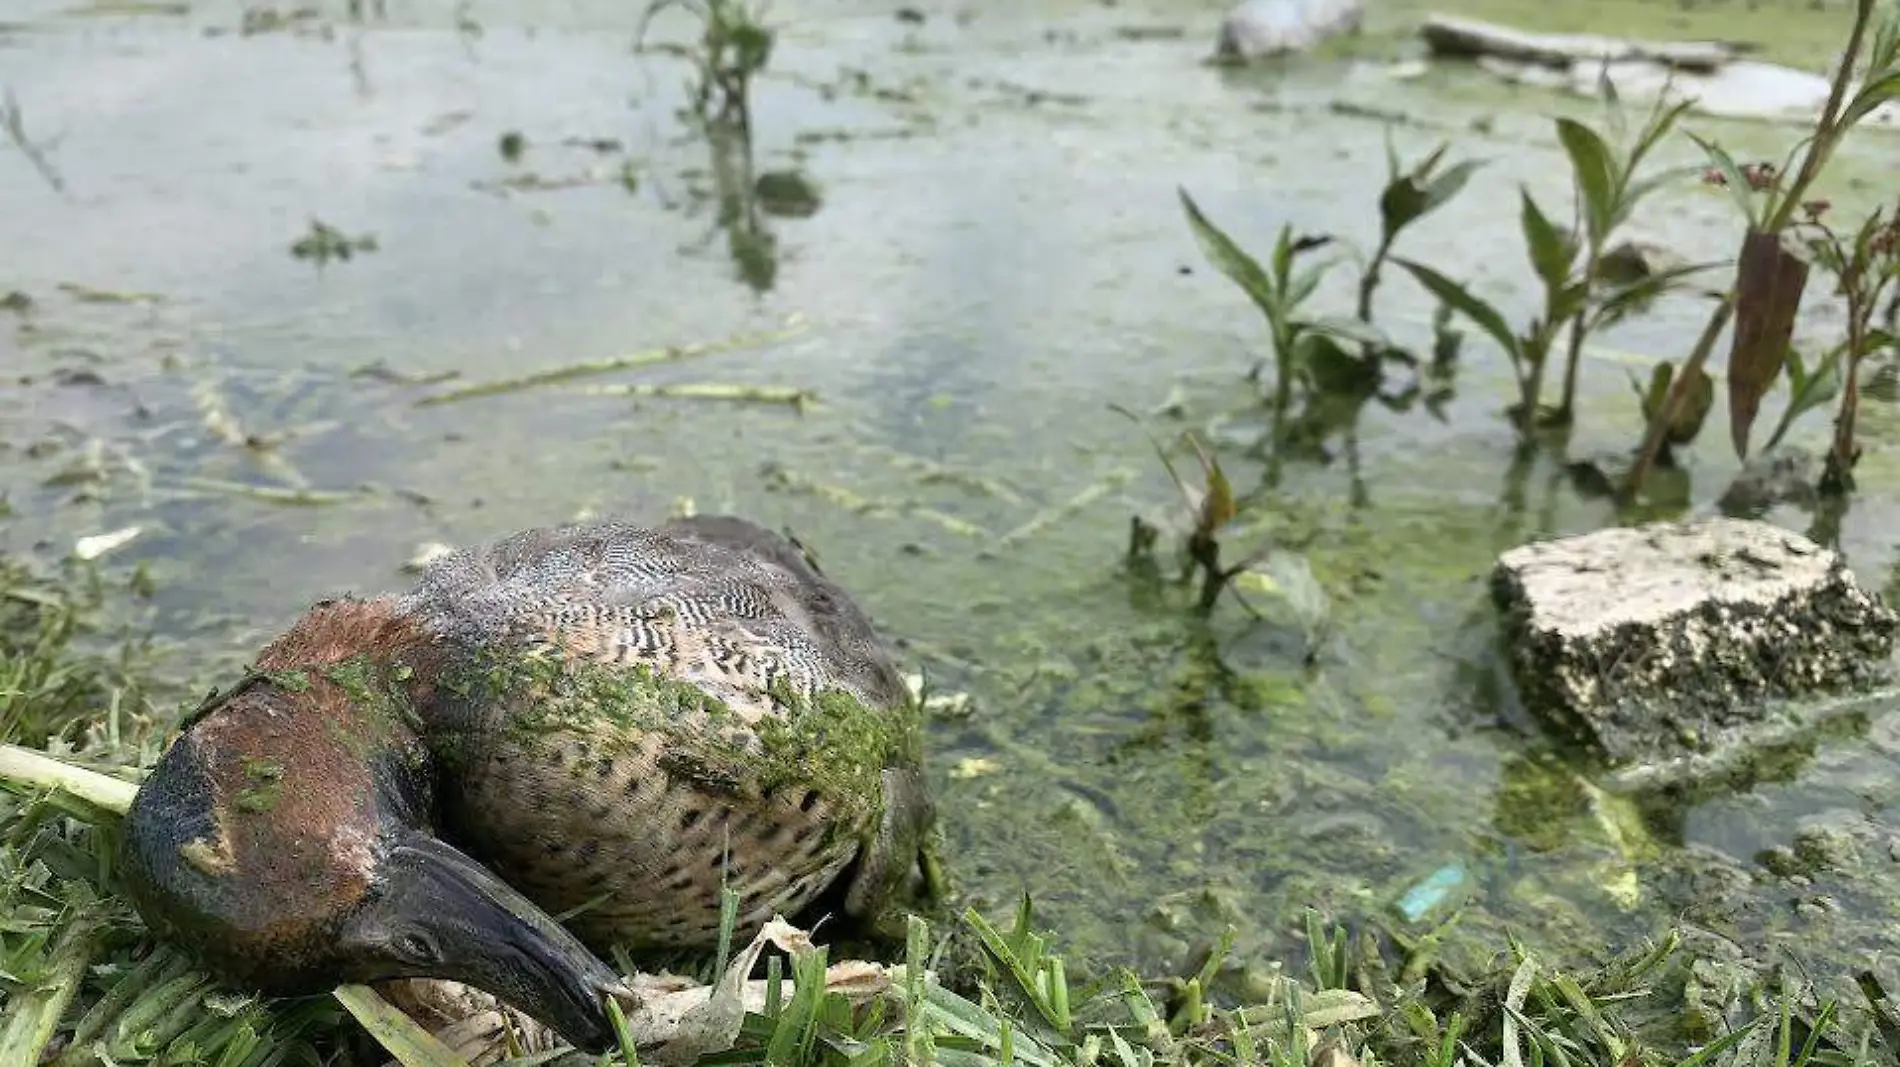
x: 1673, y: 640
x: 1260, y: 28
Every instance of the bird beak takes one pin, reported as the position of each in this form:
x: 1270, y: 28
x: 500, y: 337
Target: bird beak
x: 439, y: 914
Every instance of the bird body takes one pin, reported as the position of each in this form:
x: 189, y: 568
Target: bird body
x: 616, y: 787
x: 601, y: 718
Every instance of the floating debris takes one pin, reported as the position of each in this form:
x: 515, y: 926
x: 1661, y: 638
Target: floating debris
x: 86, y: 294
x: 787, y: 194
x: 646, y: 358
x: 325, y: 242
x: 383, y: 372
x: 753, y: 394
x: 1427, y: 896
x: 974, y: 767
x: 97, y: 545
x: 13, y: 120
x: 778, y: 478
x: 273, y: 494
x: 426, y: 553
x: 932, y: 471
x: 1048, y: 517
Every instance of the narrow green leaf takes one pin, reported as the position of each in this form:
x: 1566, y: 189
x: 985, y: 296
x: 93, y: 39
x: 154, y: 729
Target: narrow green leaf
x: 1347, y: 329
x: 1628, y: 299
x: 1796, y: 370
x: 1283, y: 256
x: 1886, y: 40
x: 1638, y: 191
x: 1661, y: 121
x: 1551, y: 251
x: 1871, y: 96
x: 1595, y: 171
x: 1301, y: 287
x: 1459, y: 299
x: 1808, y: 389
x: 398, y: 1034
x: 1612, y: 103
x: 1449, y: 184
x: 1714, y: 1049
x: 1229, y: 258
x: 1733, y: 177
x: 1567, y: 303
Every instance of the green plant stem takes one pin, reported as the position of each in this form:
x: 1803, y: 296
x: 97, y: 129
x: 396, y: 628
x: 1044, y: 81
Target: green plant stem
x: 1537, y: 354
x: 1369, y: 281
x: 1819, y: 149
x: 1826, y: 133
x: 1838, y: 476
x: 1566, y: 410
x: 1579, y: 327
x: 1678, y: 396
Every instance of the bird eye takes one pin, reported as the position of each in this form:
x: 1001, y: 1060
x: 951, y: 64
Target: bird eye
x: 416, y: 948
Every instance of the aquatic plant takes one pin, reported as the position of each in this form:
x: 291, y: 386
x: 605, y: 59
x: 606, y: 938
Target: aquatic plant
x: 734, y: 47
x: 1306, y: 347
x: 1581, y: 291
x: 1410, y: 194
x: 1281, y: 290
x: 1589, y: 281
x: 1771, y: 274
x: 1865, y: 265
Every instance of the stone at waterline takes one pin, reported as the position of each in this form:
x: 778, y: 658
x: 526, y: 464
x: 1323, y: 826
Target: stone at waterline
x: 1257, y: 29
x: 1680, y: 639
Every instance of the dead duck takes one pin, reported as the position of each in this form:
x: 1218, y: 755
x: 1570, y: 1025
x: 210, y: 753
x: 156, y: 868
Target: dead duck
x: 600, y: 717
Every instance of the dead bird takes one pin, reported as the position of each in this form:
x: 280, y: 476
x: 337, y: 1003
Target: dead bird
x: 598, y: 718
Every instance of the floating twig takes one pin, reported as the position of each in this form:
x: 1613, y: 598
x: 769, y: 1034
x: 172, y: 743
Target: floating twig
x: 747, y: 394
x: 14, y: 120
x: 1048, y: 517
x: 931, y: 471
x: 778, y: 477
x: 646, y: 358
x: 275, y: 494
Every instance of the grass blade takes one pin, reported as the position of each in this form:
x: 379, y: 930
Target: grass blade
x: 401, y: 1036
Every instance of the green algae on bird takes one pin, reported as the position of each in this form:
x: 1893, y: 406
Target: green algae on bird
x: 629, y: 719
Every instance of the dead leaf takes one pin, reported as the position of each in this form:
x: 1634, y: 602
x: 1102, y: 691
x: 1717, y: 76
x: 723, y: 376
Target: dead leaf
x: 1768, y: 286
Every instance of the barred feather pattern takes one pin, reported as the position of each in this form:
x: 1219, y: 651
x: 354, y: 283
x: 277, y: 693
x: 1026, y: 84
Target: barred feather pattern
x: 594, y: 818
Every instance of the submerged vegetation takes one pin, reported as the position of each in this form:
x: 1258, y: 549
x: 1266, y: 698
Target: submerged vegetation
x: 1590, y: 282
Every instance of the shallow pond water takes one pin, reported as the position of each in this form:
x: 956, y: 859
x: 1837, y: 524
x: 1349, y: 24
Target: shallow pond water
x: 995, y: 256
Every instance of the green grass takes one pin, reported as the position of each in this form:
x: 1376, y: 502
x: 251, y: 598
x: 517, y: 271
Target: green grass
x: 84, y: 984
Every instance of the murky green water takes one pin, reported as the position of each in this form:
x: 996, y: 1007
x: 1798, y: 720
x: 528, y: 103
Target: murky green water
x: 998, y: 256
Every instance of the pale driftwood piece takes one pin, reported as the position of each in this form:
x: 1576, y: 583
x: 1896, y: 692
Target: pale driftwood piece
x: 1465, y: 38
